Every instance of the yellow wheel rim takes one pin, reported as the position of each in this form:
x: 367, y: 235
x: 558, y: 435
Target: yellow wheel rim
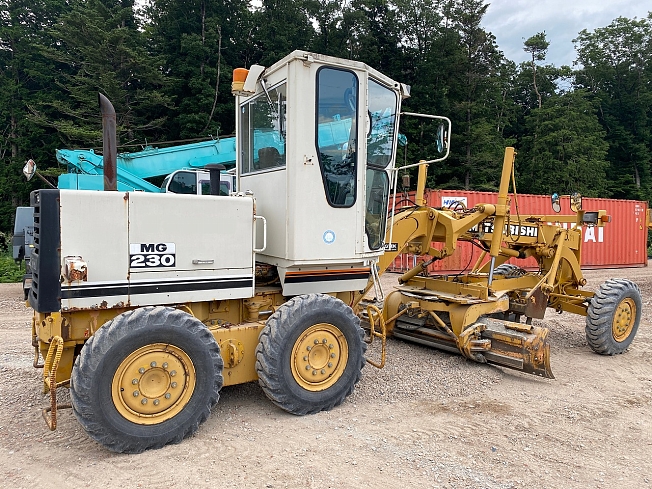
x: 153, y: 384
x: 624, y: 319
x: 319, y: 357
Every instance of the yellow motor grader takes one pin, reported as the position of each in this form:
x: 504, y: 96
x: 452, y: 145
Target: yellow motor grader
x: 146, y: 304
x: 486, y: 314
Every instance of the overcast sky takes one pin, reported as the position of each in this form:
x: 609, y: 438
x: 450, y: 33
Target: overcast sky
x: 514, y: 21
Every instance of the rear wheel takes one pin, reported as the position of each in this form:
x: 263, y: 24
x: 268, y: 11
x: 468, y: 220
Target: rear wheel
x: 147, y: 378
x: 310, y: 354
x: 613, y: 317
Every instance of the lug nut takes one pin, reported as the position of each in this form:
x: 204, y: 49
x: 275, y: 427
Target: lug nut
x: 168, y: 395
x: 156, y: 402
x: 153, y: 364
x: 332, y: 355
x: 316, y: 342
x: 144, y: 401
x: 173, y: 384
x: 331, y: 346
x: 305, y: 358
x: 307, y: 367
x: 135, y: 381
x: 165, y: 365
x: 323, y: 371
x: 173, y: 373
x: 308, y: 348
x: 136, y: 393
x: 314, y: 372
x: 324, y: 341
x: 141, y: 370
x: 330, y: 364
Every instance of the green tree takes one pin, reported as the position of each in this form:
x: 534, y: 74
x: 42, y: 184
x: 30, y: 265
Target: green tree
x: 537, y: 46
x: 566, y: 151
x: 25, y: 80
x: 617, y: 70
x: 199, y: 43
x: 476, y: 88
x: 282, y: 27
x: 99, y: 48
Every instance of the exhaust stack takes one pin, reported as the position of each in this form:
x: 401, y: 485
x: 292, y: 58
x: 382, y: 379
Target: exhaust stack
x: 109, y: 146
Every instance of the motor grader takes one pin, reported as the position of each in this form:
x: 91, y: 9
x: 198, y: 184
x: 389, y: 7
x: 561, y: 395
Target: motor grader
x: 145, y: 305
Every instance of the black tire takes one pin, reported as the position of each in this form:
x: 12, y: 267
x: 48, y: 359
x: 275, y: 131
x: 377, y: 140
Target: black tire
x: 295, y: 327
x: 161, y: 332
x: 508, y: 270
x: 613, y: 316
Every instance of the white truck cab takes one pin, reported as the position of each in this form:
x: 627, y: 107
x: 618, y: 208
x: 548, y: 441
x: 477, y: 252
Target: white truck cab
x: 316, y: 145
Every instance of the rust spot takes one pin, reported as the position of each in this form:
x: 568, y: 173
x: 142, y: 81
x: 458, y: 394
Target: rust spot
x: 104, y: 305
x: 75, y: 274
x: 65, y: 330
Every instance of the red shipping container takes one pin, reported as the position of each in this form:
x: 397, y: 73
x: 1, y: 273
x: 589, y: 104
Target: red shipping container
x: 620, y: 243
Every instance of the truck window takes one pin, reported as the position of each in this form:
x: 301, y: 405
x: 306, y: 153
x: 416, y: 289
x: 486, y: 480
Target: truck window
x: 183, y: 182
x: 337, y: 112
x: 262, y: 126
x: 206, y: 187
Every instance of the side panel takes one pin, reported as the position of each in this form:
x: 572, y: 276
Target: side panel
x: 94, y: 227
x: 212, y: 239
x: 156, y: 248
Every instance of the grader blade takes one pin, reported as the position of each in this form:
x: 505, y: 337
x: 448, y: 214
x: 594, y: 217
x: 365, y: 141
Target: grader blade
x: 513, y: 345
x: 517, y: 346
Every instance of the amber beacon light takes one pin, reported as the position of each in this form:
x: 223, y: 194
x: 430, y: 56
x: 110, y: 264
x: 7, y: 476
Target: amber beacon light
x: 239, y: 77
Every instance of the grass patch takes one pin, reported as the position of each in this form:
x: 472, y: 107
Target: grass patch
x: 10, y: 272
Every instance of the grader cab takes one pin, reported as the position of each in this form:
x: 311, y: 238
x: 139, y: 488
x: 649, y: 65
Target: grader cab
x: 145, y: 305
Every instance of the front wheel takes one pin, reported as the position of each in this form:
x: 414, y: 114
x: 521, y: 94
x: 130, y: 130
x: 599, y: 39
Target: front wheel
x: 310, y: 354
x: 613, y: 316
x: 147, y: 378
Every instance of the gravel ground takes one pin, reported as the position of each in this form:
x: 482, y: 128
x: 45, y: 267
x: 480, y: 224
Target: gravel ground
x: 428, y: 419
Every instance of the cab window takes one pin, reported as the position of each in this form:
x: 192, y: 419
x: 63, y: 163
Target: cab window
x: 383, y: 104
x: 337, y: 113
x: 262, y: 126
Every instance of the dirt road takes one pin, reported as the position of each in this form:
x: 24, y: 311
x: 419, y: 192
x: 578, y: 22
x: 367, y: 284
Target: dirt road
x: 428, y: 419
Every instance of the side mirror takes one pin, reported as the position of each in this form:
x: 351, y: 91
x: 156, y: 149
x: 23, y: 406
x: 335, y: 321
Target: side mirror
x: 29, y: 169
x: 441, y: 138
x: 556, y: 204
x: 576, y: 202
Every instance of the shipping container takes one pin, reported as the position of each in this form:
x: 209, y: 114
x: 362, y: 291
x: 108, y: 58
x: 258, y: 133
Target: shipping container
x: 619, y: 244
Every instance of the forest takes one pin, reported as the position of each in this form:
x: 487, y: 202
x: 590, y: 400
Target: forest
x: 167, y: 64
